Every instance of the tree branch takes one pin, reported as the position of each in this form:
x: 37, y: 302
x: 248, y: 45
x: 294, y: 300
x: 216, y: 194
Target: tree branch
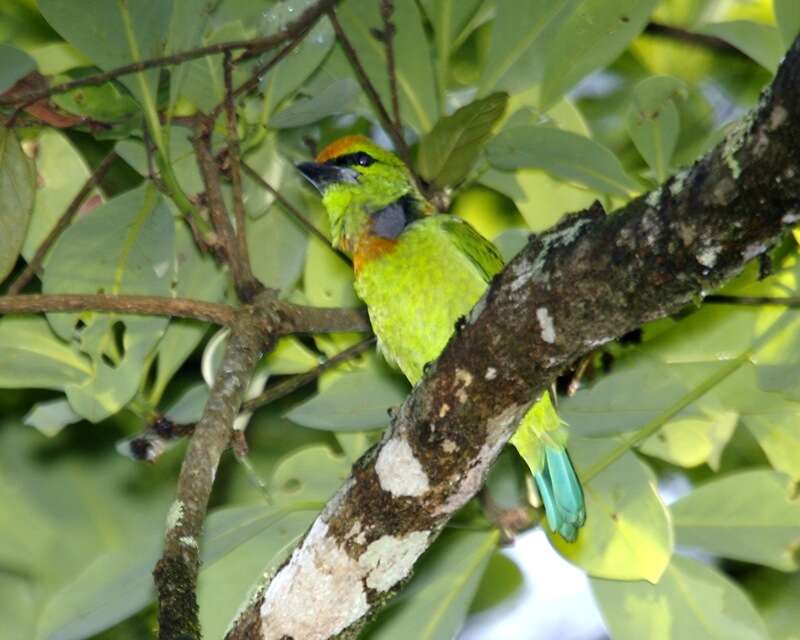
x: 387, y: 8
x: 35, y: 263
x: 220, y: 314
x: 690, y: 37
x: 176, y: 572
x: 587, y: 281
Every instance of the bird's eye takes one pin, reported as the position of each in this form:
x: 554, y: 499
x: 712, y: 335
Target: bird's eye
x: 360, y: 158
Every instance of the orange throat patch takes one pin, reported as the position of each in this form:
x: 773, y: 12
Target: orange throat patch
x: 368, y: 248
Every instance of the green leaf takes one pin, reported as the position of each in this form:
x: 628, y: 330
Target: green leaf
x: 448, y: 151
x: 436, y: 602
x: 62, y: 172
x: 14, y: 65
x: 289, y: 75
x: 114, y: 33
x: 17, y: 189
x: 290, y: 356
x: 104, y: 103
x: 787, y: 15
x: 653, y: 121
x: 628, y: 534
x: 567, y: 155
x: 448, y: 17
x: 33, y: 356
x: 131, y: 240
x: 691, y: 600
x: 414, y: 69
x: 748, y: 516
x: 189, y: 21
x: 352, y: 402
x: 501, y: 580
x: 279, y: 267
x: 51, y: 416
x: 275, y: 170
x: 57, y: 57
x: 776, y: 596
x: 197, y: 276
x: 760, y: 42
x: 188, y: 407
x: 595, y: 33
x: 308, y: 474
x: 336, y: 97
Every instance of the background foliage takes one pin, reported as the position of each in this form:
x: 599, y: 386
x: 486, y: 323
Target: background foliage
x: 518, y: 112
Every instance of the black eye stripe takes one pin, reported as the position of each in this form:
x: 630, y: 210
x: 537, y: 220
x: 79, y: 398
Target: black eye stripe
x: 360, y: 158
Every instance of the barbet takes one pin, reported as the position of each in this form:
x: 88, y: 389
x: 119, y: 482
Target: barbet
x: 419, y: 272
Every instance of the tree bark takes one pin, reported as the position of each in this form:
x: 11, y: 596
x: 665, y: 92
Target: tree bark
x: 589, y: 280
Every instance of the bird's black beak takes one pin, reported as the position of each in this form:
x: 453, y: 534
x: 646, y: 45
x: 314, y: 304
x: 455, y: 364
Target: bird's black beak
x: 322, y: 175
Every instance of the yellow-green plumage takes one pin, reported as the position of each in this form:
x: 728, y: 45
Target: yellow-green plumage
x: 418, y: 274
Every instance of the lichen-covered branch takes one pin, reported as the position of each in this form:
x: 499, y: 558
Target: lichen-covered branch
x: 589, y: 280
x: 176, y: 571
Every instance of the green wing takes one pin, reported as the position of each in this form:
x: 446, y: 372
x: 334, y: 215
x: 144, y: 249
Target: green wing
x: 482, y: 253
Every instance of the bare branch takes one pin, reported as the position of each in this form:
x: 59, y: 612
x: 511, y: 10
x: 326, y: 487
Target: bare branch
x: 176, y: 571
x: 387, y: 8
x: 35, y: 263
x: 754, y: 301
x: 220, y: 314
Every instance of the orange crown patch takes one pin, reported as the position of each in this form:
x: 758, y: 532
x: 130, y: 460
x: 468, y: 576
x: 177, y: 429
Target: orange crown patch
x: 337, y: 148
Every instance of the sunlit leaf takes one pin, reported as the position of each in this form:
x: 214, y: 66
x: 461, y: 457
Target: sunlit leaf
x: 691, y: 600
x: 787, y: 15
x: 448, y: 151
x: 17, y: 189
x: 628, y: 533
x: 747, y: 516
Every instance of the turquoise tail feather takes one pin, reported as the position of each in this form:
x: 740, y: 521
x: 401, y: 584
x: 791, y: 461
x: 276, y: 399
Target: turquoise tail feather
x: 561, y: 493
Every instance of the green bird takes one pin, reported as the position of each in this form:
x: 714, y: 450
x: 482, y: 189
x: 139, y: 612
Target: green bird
x: 419, y: 272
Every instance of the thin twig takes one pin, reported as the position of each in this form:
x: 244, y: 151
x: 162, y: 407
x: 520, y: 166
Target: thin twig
x: 234, y: 160
x: 391, y: 129
x: 754, y: 301
x: 220, y: 314
x: 252, y: 47
x: 291, y: 209
x: 387, y: 8
x: 289, y: 385
x: 245, y: 282
x: 35, y: 263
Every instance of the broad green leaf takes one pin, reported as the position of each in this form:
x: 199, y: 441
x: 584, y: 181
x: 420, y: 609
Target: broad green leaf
x: 33, y: 356
x: 104, y: 103
x: 448, y: 17
x: 327, y: 279
x: 57, y: 57
x: 51, y: 416
x: 414, y: 68
x: 290, y: 356
x: 501, y: 580
x: 787, y: 15
x: 760, y: 42
x: 197, y: 276
x: 114, y: 33
x: 435, y: 603
x: 689, y: 441
x: 308, y: 474
x: 62, y: 172
x: 14, y: 65
x: 17, y: 190
x: 337, y: 97
x: 282, y: 80
x: 17, y: 607
x: 594, y: 34
x: 353, y: 402
x: 515, y: 58
x: 275, y: 170
x: 189, y: 22
x: 567, y: 155
x: 132, y: 243
x: 653, y: 121
x: 748, y: 516
x: 448, y: 151
x: 691, y: 600
x: 628, y: 533
x: 279, y: 266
